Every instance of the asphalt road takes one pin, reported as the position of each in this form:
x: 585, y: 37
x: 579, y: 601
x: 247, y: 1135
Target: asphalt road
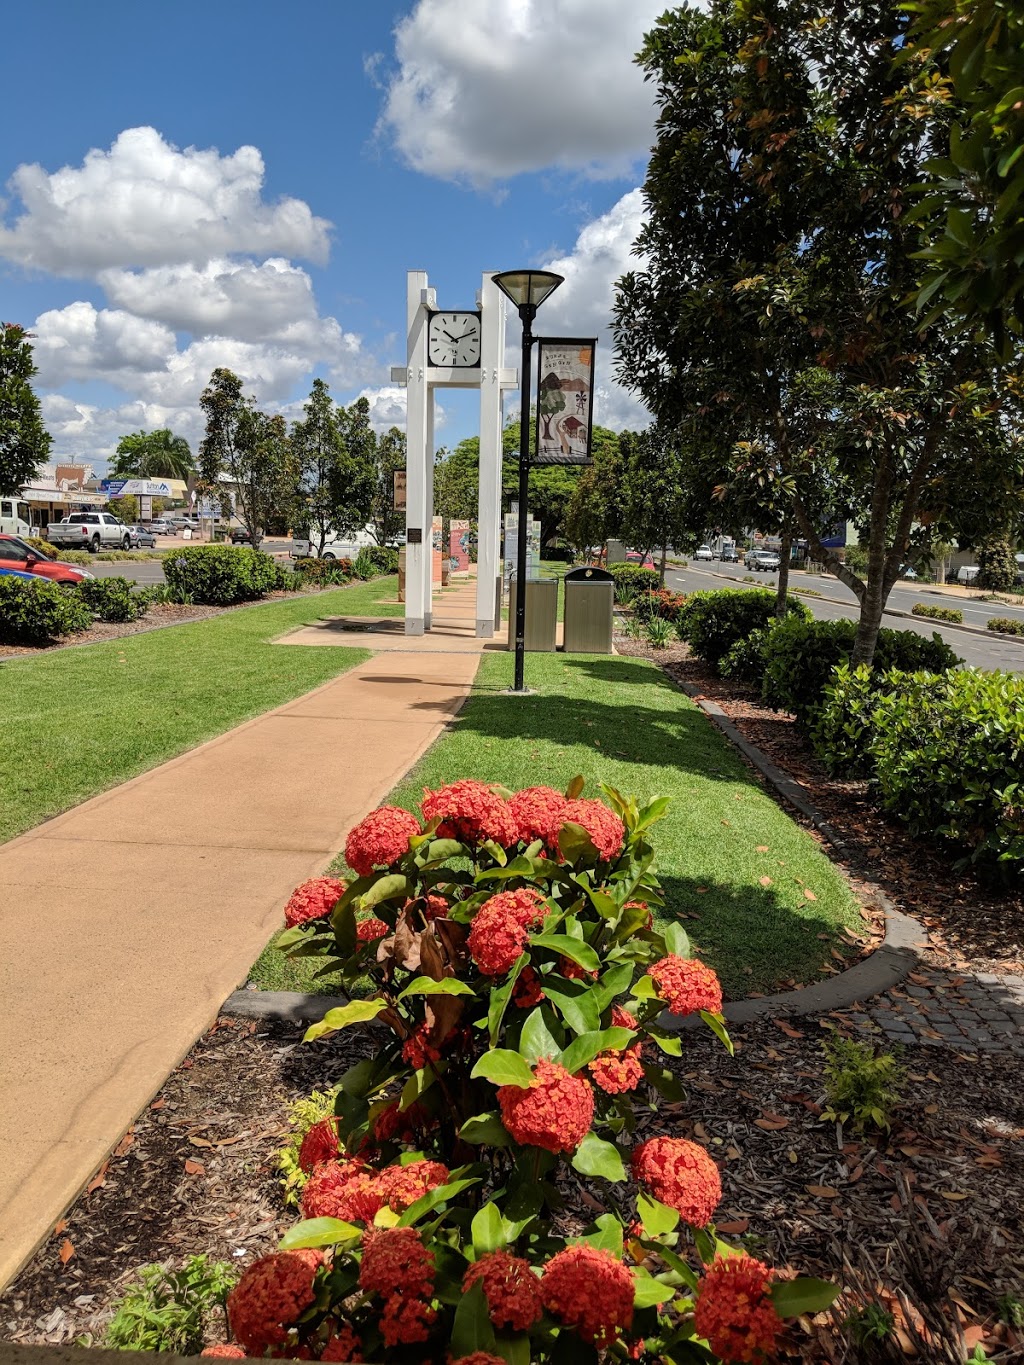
x: 978, y: 651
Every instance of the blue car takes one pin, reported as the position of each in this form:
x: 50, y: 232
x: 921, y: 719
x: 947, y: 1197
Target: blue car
x: 17, y: 573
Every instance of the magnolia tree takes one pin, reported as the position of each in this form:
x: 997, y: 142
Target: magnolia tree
x: 519, y: 988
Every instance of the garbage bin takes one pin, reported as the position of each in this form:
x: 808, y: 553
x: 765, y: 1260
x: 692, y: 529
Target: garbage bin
x: 541, y: 614
x: 589, y: 609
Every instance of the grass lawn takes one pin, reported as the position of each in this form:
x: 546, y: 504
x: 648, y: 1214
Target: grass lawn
x: 732, y: 863
x: 78, y: 721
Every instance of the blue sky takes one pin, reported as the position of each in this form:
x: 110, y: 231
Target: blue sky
x: 241, y: 183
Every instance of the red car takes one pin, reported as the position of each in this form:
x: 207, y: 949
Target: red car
x: 16, y: 554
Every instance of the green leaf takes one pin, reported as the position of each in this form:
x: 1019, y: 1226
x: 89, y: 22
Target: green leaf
x: 716, y: 1023
x: 487, y: 1230
x: 649, y: 1291
x: 657, y: 1218
x: 665, y: 1082
x: 387, y: 888
x: 343, y: 922
x: 608, y: 1236
x: 318, y: 1232
x: 575, y: 1002
x: 646, y: 988
x: 567, y: 946
x: 501, y: 1066
x: 536, y: 1041
x: 669, y: 1043
x: 651, y: 814
x: 805, y: 1295
x: 355, y: 1012
x: 575, y: 844
x: 425, y: 985
x: 500, y: 998
x: 615, y: 982
x: 485, y: 1130
x: 472, y: 1329
x: 418, y: 1084
x: 586, y: 1047
x: 677, y: 940
x: 603, y: 904
x: 575, y: 787
x: 594, y: 1156
x: 440, y: 850
x: 298, y: 933
x: 431, y: 1200
x: 513, y: 1350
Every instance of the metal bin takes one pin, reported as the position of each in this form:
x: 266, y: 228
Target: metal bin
x: 589, y: 610
x: 541, y: 614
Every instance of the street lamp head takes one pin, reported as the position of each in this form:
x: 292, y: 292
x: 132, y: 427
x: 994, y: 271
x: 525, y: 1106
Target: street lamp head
x: 527, y: 288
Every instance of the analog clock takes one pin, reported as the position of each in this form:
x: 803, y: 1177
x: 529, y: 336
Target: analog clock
x: 453, y: 339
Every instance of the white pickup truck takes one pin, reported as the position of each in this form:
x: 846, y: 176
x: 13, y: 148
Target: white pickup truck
x: 89, y: 531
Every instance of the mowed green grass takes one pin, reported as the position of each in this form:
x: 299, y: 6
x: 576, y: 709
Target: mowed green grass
x: 758, y: 897
x: 78, y: 721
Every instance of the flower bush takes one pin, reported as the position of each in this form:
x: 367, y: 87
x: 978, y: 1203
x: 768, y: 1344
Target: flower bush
x: 519, y: 994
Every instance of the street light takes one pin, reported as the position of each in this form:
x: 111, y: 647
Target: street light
x: 527, y: 289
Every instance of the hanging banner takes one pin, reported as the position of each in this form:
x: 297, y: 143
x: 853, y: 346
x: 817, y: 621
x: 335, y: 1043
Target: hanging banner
x: 437, y: 544
x: 400, y: 490
x: 458, y: 546
x: 565, y: 391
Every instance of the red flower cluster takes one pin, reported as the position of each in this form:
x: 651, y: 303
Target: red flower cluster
x: 331, y: 1190
x: 733, y: 1311
x: 606, y: 830
x: 313, y: 900
x: 342, y: 1345
x: 397, y: 1266
x: 369, y: 930
x: 527, y: 992
x: 269, y: 1298
x: 681, y: 1175
x: 319, y: 1144
x: 472, y: 812
x: 572, y: 971
x: 538, y: 812
x: 686, y: 985
x: 434, y: 907
x: 510, y: 1287
x: 224, y: 1349
x: 617, y: 1072
x: 621, y: 1018
x: 394, y: 1122
x: 400, y: 1186
x: 417, y: 1051
x: 380, y: 840
x: 479, y: 1358
x: 500, y: 929
x: 554, y: 1112
x: 591, y: 1291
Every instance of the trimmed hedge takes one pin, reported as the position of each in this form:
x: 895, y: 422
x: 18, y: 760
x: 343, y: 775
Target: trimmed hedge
x: 112, y: 599
x: 1005, y: 625
x: 842, y: 729
x: 631, y: 579
x: 937, y: 613
x: 715, y: 620
x: 220, y: 575
x: 37, y: 611
x: 800, y: 655
x: 375, y: 559
x: 324, y: 571
x: 43, y: 546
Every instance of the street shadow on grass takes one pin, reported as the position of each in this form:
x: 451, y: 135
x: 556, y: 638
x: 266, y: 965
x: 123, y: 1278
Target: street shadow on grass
x: 752, y: 938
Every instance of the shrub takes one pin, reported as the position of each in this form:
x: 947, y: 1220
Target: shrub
x: 635, y: 576
x: 82, y: 558
x: 169, y: 1310
x: 799, y: 656
x: 744, y: 660
x: 43, y: 546
x: 997, y: 567
x: 220, y: 574
x: 1005, y: 625
x: 37, y: 611
x: 937, y: 613
x: 375, y: 559
x: 713, y: 621
x: 660, y: 602
x: 324, y: 571
x: 862, y: 1085
x: 516, y: 977
x: 948, y: 752
x: 842, y: 729
x: 112, y: 599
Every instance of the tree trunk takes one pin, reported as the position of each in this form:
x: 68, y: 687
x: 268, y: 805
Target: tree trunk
x: 785, y: 552
x: 664, y: 560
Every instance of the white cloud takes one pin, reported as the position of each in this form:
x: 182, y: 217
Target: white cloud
x: 488, y: 91
x: 90, y: 432
x: 147, y: 203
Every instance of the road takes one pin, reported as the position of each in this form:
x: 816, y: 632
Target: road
x: 979, y: 651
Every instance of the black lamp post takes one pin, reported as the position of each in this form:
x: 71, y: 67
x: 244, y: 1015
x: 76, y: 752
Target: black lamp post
x: 527, y: 289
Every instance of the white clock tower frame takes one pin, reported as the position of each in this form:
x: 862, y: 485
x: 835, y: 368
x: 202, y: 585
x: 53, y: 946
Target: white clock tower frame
x: 420, y: 380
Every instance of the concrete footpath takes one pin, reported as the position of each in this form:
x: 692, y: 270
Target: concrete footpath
x: 127, y: 921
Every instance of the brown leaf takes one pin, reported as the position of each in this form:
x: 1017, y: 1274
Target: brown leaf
x: 100, y: 1178
x: 787, y: 1029
x: 822, y: 1191
x: 158, y: 1103
x: 771, y: 1125
x: 809, y: 894
x: 194, y: 1167
x: 954, y: 1195
x: 66, y: 1252
x: 761, y: 848
x: 62, y: 1226
x: 200, y: 1142
x: 734, y: 1228
x: 765, y: 881
x: 122, y: 1147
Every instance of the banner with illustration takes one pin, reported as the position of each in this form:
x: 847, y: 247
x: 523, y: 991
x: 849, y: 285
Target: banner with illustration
x: 437, y: 545
x: 565, y: 391
x: 459, y: 545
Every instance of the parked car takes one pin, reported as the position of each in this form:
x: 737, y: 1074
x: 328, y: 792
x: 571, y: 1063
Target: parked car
x: 240, y: 536
x: 729, y: 555
x: 141, y: 537
x: 89, y: 531
x: 759, y: 560
x: 16, y: 554
x: 635, y: 557
x: 704, y: 552
x: 15, y: 573
x: 967, y: 573
x: 161, y: 527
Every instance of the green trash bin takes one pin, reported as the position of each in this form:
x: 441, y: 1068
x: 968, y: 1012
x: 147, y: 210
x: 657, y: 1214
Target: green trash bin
x: 589, y: 610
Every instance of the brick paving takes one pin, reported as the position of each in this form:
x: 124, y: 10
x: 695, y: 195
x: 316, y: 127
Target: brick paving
x: 970, y: 1012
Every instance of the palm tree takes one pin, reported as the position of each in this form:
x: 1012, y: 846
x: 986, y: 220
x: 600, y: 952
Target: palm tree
x: 153, y: 455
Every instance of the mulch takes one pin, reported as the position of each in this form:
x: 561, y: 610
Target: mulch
x: 160, y: 614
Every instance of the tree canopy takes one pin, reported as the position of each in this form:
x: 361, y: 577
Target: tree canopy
x: 152, y: 455
x: 24, y: 440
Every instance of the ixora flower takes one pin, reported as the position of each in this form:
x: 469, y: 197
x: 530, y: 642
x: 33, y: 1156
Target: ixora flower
x: 606, y: 830
x: 380, y: 839
x: 397, y: 1266
x: 343, y: 1344
x: 270, y: 1297
x: 500, y: 929
x: 417, y: 1051
x: 539, y: 813
x: 733, y: 1312
x: 472, y: 812
x: 686, y: 985
x: 479, y: 1358
x: 621, y: 1017
x: 681, y: 1175
x: 617, y: 1072
x: 320, y: 1144
x: 510, y: 1287
x: 400, y: 1186
x: 591, y: 1291
x: 224, y: 1349
x: 369, y: 930
x: 313, y: 900
x: 527, y: 991
x: 394, y: 1122
x: 331, y: 1191
x: 554, y: 1112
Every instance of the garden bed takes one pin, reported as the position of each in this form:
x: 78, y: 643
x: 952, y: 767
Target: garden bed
x: 196, y: 1172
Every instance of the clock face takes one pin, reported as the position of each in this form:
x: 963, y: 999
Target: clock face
x: 453, y: 339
